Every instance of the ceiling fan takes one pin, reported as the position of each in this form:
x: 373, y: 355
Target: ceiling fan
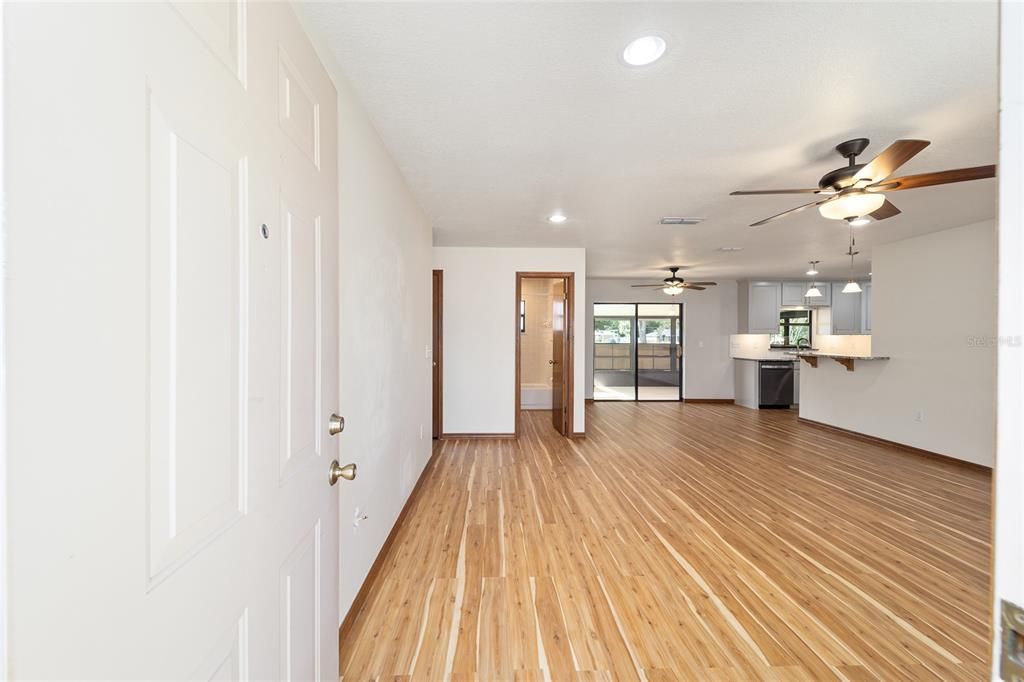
x: 673, y: 285
x: 856, y: 190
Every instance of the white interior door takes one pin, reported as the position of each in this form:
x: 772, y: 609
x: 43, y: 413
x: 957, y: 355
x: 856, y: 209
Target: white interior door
x: 171, y: 364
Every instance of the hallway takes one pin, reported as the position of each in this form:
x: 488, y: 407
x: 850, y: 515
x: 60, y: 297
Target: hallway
x: 682, y: 541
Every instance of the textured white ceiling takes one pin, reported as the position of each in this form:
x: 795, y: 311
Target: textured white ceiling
x: 501, y: 113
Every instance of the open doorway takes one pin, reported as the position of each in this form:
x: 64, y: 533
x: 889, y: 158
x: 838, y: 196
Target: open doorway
x: 638, y: 351
x: 544, y: 346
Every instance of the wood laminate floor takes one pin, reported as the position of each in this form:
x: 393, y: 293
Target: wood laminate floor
x: 682, y: 542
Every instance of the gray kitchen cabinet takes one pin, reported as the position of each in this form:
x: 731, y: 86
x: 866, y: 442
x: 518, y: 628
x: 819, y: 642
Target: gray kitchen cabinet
x: 764, y: 301
x: 846, y: 313
x: 865, y: 308
x: 793, y: 293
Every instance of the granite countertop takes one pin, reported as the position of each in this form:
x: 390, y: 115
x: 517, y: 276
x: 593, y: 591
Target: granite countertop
x: 764, y: 358
x: 838, y: 356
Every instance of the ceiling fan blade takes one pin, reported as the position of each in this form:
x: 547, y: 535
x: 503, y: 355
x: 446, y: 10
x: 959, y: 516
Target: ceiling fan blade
x: 888, y: 210
x: 744, y: 192
x: 891, y: 158
x: 759, y: 223
x: 704, y: 284
x: 636, y: 286
x: 687, y: 285
x: 938, y: 178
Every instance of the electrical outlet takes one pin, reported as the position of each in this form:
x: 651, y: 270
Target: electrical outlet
x: 427, y: 352
x: 919, y: 415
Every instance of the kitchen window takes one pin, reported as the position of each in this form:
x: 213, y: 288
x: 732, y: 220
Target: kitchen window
x: 794, y: 330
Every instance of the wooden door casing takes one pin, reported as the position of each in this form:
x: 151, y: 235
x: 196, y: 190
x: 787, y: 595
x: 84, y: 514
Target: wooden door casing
x: 568, y: 354
x: 437, y: 351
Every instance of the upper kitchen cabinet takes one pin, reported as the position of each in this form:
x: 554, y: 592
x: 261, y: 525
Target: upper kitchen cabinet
x: 763, y: 302
x: 793, y: 293
x: 865, y: 308
x: 846, y: 313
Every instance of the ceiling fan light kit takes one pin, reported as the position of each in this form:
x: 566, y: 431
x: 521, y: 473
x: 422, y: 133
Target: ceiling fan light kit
x: 852, y: 205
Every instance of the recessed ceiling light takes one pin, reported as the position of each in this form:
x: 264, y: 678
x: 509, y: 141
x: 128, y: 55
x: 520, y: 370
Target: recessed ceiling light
x: 644, y: 51
x: 729, y: 249
x: 557, y: 218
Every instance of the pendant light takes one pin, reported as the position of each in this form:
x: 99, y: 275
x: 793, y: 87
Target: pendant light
x: 813, y: 292
x: 851, y: 286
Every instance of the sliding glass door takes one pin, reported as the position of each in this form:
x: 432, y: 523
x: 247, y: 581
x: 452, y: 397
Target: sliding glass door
x: 614, y: 351
x: 659, y: 351
x: 638, y: 351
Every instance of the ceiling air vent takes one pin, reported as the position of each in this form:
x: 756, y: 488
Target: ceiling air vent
x: 679, y: 220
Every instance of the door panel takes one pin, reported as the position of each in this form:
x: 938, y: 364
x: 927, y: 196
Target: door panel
x: 558, y: 345
x: 195, y: 351
x: 171, y: 362
x: 302, y: 294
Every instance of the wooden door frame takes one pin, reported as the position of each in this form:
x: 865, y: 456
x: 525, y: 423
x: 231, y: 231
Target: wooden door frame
x: 569, y: 349
x: 437, y: 353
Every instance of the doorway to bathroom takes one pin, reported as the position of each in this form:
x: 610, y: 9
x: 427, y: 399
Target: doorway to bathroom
x: 544, y: 343
x: 638, y: 351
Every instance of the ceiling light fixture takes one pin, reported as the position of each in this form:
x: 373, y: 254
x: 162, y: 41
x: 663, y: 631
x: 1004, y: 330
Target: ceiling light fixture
x: 852, y: 204
x: 672, y: 290
x: 557, y: 218
x: 857, y: 222
x: 813, y: 292
x: 814, y: 268
x: 644, y: 51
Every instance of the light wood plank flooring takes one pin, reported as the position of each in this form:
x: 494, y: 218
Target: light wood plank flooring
x: 682, y: 542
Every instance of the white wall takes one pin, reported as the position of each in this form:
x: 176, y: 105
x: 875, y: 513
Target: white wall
x: 479, y: 332
x: 385, y: 317
x: 934, y: 301
x: 709, y: 317
x: 1009, y: 473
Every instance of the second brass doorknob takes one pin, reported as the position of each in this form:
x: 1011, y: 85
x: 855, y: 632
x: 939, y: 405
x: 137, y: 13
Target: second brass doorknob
x: 348, y: 472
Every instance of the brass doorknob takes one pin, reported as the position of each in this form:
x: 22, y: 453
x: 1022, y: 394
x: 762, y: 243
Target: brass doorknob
x: 335, y: 425
x: 348, y: 472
